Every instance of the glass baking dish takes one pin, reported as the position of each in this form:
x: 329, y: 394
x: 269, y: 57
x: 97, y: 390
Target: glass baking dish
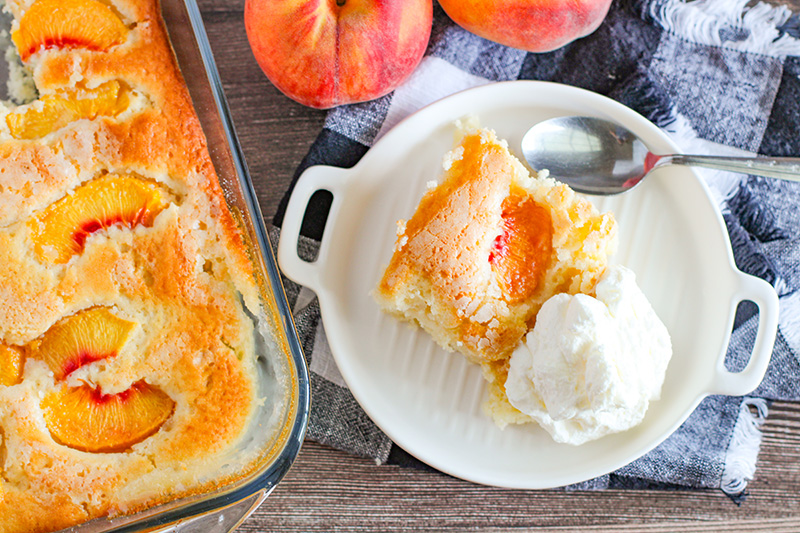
x: 282, y: 371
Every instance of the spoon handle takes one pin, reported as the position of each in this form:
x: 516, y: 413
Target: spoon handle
x: 785, y: 168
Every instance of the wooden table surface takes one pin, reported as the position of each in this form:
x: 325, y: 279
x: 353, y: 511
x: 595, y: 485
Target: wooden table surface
x: 329, y: 490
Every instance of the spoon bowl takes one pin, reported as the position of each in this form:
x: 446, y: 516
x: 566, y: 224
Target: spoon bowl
x: 596, y: 156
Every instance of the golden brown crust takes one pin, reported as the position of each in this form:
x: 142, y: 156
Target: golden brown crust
x: 164, y: 137
x: 441, y: 275
x: 179, y: 280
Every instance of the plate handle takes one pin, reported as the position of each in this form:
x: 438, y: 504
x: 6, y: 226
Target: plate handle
x: 764, y: 296
x: 313, y: 179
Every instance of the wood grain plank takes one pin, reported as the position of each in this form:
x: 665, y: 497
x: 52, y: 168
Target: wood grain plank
x: 794, y: 5
x: 356, y: 495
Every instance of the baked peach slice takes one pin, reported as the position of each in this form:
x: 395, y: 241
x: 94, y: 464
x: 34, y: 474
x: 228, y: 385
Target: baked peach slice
x: 60, y: 230
x: 85, y: 419
x: 521, y: 252
x: 85, y: 24
x: 12, y: 360
x: 85, y: 337
x: 54, y: 111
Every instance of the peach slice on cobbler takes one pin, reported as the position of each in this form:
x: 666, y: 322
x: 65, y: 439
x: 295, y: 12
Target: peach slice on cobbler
x: 54, y: 111
x: 86, y: 419
x: 521, y: 252
x: 60, y: 230
x: 85, y: 24
x: 12, y: 360
x: 85, y: 337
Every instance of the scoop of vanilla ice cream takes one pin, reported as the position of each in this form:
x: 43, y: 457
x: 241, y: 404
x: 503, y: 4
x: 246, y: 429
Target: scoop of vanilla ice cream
x: 591, y: 366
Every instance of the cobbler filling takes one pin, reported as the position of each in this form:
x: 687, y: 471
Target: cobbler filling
x: 521, y: 252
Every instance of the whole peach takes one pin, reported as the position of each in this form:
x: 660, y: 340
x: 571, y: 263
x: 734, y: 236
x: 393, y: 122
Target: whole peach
x: 532, y: 25
x: 324, y: 53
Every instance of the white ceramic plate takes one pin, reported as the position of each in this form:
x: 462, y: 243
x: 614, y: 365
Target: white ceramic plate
x: 429, y: 401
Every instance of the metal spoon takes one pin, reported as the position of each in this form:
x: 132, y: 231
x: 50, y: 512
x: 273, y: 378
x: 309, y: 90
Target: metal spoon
x: 595, y: 156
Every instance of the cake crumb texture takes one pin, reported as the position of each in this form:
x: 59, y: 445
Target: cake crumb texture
x: 126, y: 292
x: 486, y: 248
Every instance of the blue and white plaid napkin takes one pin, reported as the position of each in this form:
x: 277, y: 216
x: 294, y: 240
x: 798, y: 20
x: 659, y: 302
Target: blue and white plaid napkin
x: 721, y: 78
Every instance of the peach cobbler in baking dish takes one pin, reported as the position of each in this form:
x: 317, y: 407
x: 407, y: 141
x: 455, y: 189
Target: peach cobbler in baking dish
x: 127, y: 366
